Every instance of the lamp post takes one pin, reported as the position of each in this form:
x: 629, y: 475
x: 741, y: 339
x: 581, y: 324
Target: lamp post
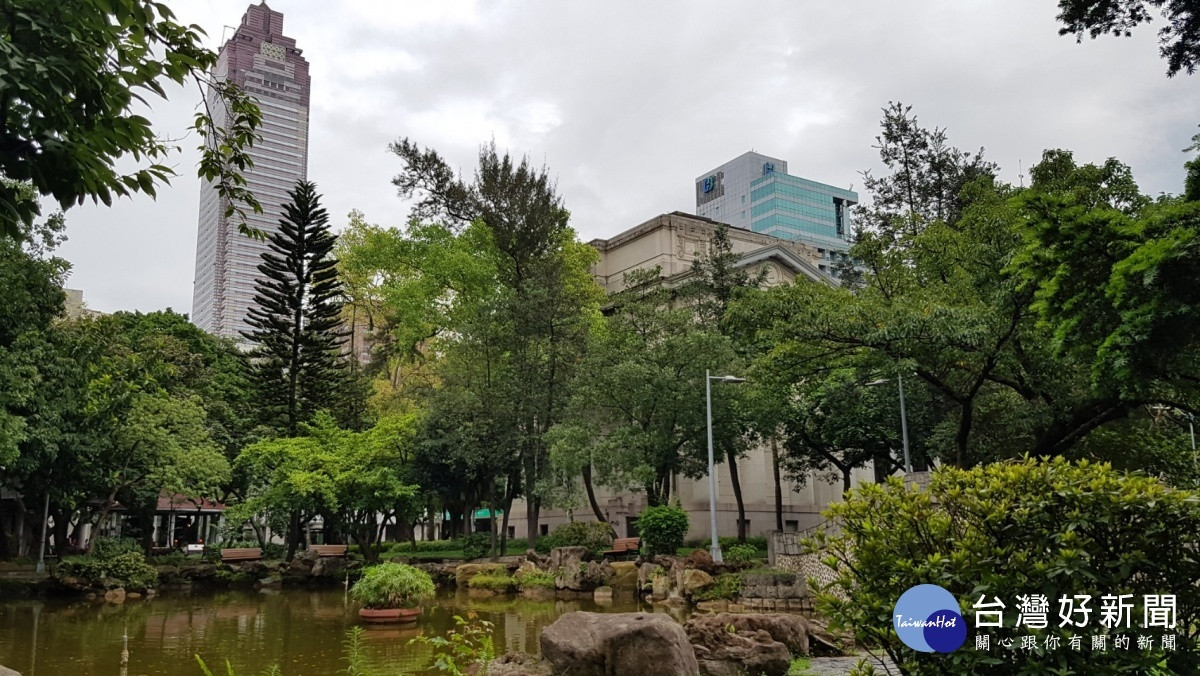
x: 715, y: 549
x: 903, y: 419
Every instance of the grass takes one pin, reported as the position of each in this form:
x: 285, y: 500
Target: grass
x: 497, y: 583
x: 799, y: 667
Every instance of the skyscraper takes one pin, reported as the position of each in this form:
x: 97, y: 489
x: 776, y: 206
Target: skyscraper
x: 267, y: 65
x: 755, y: 192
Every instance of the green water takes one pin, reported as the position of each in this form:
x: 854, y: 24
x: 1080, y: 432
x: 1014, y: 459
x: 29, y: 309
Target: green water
x: 301, y: 631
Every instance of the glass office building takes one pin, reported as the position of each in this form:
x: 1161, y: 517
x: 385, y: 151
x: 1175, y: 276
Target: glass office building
x: 755, y: 192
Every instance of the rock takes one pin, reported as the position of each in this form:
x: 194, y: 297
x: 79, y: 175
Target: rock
x: 599, y: 644
x: 625, y: 575
x: 516, y: 664
x: 539, y: 593
x: 718, y: 606
x: 330, y: 566
x: 725, y: 653
x: 660, y: 587
x: 646, y: 576
x: 5, y: 671
x: 271, y: 581
x: 110, y: 583
x: 536, y: 559
x: 791, y: 630
x: 115, y: 596
x: 133, y: 595
x: 603, y: 594
x: 568, y: 568
x: 302, y: 562
x: 701, y: 560
x: 694, y: 580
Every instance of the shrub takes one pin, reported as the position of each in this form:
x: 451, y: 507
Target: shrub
x: 497, y: 583
x: 477, y: 545
x: 539, y: 579
x: 128, y: 568
x: 595, y: 535
x: 107, y: 548
x: 727, y: 587
x: 663, y: 528
x: 739, y: 555
x: 392, y: 585
x: 1048, y: 527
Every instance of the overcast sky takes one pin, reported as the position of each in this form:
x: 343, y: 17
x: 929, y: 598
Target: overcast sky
x: 628, y: 101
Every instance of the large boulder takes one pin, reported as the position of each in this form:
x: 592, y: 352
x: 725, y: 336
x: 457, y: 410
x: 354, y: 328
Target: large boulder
x: 5, y: 671
x: 600, y: 644
x: 302, y: 563
x: 517, y: 664
x: 721, y: 652
x: 701, y: 560
x: 567, y: 565
x: 330, y: 567
x: 646, y: 576
x: 695, y: 580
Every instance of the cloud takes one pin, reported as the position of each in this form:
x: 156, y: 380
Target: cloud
x: 627, y: 102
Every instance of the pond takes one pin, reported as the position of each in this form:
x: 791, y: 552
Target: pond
x: 301, y: 631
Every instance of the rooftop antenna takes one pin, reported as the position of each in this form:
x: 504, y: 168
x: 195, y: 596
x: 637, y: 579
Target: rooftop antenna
x: 1021, y: 172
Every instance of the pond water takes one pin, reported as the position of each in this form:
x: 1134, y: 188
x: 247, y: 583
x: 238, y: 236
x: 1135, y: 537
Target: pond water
x: 301, y: 631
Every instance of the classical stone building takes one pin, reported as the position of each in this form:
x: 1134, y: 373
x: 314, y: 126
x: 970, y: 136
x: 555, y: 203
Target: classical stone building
x: 671, y: 242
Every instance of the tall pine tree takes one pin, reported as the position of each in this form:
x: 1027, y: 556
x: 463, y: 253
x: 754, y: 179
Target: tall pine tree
x: 298, y: 365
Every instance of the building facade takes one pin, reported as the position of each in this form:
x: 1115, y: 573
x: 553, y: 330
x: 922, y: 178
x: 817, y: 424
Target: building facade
x: 672, y: 242
x: 755, y: 192
x: 267, y: 65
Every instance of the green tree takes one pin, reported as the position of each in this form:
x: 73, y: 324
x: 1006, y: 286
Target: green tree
x: 70, y: 78
x: 297, y: 365
x: 1179, y: 40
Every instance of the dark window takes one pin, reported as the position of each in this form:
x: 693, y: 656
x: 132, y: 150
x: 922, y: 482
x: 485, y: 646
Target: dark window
x: 791, y: 526
x: 544, y: 529
x: 512, y: 532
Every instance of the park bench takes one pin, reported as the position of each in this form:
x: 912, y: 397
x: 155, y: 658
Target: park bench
x: 330, y: 551
x: 241, y: 554
x: 625, y: 547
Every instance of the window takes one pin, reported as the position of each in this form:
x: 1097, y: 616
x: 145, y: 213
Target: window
x: 743, y: 214
x: 544, y: 529
x: 512, y: 532
x: 791, y: 526
x: 743, y: 199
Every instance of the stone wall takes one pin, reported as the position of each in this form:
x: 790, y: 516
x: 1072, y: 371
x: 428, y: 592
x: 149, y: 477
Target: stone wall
x: 787, y: 552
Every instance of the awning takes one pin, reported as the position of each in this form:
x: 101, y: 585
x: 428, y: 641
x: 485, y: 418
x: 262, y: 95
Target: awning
x: 479, y: 514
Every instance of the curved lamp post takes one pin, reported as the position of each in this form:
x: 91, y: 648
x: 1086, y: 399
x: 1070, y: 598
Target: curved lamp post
x: 715, y: 549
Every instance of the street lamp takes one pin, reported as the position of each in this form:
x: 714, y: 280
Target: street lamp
x: 903, y: 418
x: 715, y: 550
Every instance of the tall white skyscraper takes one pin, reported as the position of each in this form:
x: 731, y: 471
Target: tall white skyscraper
x: 268, y: 66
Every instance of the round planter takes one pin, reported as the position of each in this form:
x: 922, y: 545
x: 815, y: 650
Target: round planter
x: 389, y: 615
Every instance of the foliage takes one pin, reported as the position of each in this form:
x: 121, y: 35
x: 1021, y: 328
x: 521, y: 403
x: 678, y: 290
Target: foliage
x: 476, y: 545
x: 662, y: 528
x: 468, y: 649
x: 741, y: 554
x: 799, y: 666
x: 1030, y: 526
x: 497, y: 583
x: 72, y: 74
x: 727, y: 587
x: 595, y: 535
x: 392, y: 585
x: 535, y: 579
x: 1179, y: 40
x: 128, y: 567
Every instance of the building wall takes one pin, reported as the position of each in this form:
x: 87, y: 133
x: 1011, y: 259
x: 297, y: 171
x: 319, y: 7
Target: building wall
x: 269, y: 66
x: 723, y: 194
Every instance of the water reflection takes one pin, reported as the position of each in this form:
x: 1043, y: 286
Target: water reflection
x: 302, y: 631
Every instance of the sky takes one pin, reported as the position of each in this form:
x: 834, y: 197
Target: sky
x: 627, y: 102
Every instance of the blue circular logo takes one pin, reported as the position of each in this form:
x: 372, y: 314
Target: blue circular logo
x: 926, y: 619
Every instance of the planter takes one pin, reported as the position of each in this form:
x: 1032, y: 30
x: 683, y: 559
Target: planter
x: 389, y: 615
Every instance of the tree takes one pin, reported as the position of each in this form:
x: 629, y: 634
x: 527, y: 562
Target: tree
x: 1179, y: 40
x: 717, y: 280
x: 636, y: 418
x: 69, y: 80
x: 297, y: 365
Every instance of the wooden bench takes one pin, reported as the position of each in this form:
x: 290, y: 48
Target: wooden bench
x: 330, y: 551
x: 241, y: 554
x: 625, y: 547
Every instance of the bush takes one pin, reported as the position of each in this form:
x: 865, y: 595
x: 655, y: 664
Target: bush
x: 128, y: 568
x: 1024, y: 527
x: 662, y: 528
x: 727, y: 587
x: 497, y: 583
x: 740, y: 555
x: 392, y: 585
x: 537, y: 579
x: 107, y: 548
x: 477, y: 545
x: 595, y: 535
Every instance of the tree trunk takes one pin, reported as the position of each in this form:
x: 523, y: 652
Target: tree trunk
x: 493, y: 551
x: 507, y: 507
x: 108, y: 503
x: 591, y: 494
x: 293, y: 537
x: 845, y: 480
x: 532, y: 511
x: 737, y: 495
x: 778, y: 484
